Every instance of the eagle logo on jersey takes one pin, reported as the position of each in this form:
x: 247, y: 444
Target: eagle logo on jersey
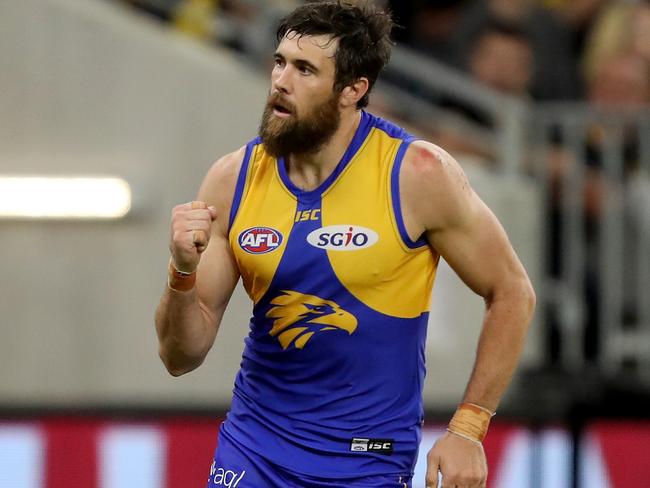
x: 299, y: 316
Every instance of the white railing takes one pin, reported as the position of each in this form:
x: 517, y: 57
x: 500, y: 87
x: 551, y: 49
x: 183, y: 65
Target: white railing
x: 599, y: 294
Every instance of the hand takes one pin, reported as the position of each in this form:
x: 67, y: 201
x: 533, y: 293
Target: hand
x: 460, y: 461
x: 190, y: 233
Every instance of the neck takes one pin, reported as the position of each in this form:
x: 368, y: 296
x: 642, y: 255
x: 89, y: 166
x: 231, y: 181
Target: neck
x: 309, y: 170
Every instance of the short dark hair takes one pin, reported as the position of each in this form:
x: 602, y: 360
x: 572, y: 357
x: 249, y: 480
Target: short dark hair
x: 363, y: 32
x: 500, y: 27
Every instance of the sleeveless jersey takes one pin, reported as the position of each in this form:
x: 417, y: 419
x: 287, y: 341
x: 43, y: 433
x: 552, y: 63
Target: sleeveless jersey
x: 332, y: 370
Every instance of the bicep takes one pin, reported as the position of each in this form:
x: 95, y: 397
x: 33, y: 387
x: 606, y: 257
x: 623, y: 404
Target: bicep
x: 476, y: 246
x: 456, y: 222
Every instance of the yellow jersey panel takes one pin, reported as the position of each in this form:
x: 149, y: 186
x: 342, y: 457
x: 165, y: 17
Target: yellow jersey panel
x: 257, y: 247
x: 387, y: 276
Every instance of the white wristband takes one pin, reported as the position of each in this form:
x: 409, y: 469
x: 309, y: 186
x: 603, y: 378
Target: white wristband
x: 465, y: 437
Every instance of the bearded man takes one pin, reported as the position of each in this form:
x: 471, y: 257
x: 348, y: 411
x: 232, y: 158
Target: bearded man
x: 335, y: 220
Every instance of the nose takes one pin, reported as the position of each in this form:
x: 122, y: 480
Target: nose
x: 280, y: 81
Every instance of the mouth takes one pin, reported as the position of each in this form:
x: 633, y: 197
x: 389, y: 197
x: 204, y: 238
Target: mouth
x: 280, y: 107
x: 281, y: 110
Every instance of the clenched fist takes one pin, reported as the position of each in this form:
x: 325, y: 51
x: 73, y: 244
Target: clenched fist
x: 460, y: 461
x: 190, y: 233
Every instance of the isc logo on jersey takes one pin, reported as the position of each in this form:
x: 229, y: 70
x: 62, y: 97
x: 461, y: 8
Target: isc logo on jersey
x: 343, y: 238
x: 260, y: 240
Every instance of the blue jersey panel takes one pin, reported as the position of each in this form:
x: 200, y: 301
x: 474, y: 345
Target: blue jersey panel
x: 330, y: 386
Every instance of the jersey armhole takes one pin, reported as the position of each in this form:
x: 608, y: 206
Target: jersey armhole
x: 395, y: 197
x: 242, y: 181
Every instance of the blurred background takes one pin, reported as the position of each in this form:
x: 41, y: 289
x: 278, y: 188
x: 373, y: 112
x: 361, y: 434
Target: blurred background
x: 111, y: 112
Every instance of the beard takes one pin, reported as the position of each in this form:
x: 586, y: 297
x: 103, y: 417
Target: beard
x: 298, y: 135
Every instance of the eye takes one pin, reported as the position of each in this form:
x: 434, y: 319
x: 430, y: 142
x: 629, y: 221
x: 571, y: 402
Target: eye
x: 278, y: 62
x: 304, y: 70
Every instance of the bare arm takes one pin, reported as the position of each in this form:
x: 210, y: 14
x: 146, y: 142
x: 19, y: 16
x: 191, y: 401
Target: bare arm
x: 459, y: 226
x: 187, y: 321
x: 439, y: 203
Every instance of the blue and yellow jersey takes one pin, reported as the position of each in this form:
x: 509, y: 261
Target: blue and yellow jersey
x: 332, y: 370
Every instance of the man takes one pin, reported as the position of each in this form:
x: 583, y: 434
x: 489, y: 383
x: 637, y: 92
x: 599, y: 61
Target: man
x: 335, y: 220
x: 502, y: 58
x: 555, y: 76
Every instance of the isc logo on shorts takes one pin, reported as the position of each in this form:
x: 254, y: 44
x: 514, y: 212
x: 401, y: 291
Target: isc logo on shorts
x: 343, y: 238
x: 381, y: 446
x: 260, y: 240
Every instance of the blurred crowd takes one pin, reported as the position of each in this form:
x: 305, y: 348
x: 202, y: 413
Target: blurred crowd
x: 594, y: 51
x: 544, y: 50
x: 535, y: 50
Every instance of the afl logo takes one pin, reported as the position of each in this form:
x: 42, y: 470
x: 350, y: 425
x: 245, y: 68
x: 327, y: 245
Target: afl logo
x: 343, y: 238
x: 260, y: 240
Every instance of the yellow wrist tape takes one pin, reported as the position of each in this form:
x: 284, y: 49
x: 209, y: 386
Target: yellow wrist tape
x: 470, y: 421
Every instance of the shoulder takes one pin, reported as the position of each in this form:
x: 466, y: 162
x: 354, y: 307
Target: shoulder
x: 425, y: 159
x: 218, y: 187
x: 224, y: 171
x: 222, y: 175
x: 429, y: 170
x: 433, y: 185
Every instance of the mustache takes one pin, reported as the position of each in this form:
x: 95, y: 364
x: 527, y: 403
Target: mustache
x: 278, y: 99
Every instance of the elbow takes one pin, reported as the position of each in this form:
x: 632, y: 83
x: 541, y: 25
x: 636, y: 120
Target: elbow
x: 519, y: 295
x: 176, y: 371
x: 528, y: 298
x: 178, y: 365
x: 531, y: 297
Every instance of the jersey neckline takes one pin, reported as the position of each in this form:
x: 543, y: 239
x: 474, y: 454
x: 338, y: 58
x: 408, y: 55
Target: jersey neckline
x: 365, y: 124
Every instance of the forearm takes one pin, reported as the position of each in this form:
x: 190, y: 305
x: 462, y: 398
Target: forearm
x: 184, y: 329
x: 500, y: 345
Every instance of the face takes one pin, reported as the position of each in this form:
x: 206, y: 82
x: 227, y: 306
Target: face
x: 621, y: 82
x: 302, y: 111
x: 641, y: 31
x: 510, y: 9
x: 503, y: 63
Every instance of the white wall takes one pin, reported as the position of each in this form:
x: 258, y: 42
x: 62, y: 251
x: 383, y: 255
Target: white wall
x: 86, y: 88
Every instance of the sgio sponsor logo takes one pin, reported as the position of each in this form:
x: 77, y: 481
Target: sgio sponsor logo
x: 260, y: 240
x: 224, y: 477
x: 343, y: 238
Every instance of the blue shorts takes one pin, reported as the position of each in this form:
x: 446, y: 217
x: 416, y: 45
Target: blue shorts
x: 234, y: 466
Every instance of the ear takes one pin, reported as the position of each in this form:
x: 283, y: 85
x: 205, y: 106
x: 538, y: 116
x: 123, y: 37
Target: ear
x: 351, y: 94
